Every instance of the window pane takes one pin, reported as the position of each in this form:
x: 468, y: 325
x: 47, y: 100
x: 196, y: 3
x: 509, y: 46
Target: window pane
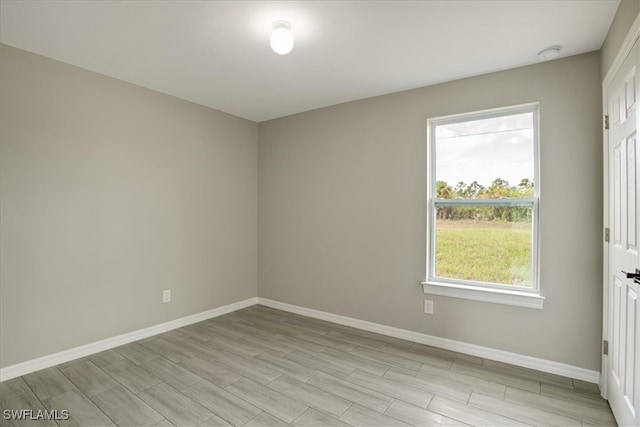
x: 485, y: 244
x: 474, y: 156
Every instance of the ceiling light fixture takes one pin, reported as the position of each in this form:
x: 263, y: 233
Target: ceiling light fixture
x: 281, y: 38
x: 549, y: 53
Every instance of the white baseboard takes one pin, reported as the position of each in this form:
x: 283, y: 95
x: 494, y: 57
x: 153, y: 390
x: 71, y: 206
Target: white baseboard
x: 543, y: 365
x: 33, y: 365
x: 445, y: 343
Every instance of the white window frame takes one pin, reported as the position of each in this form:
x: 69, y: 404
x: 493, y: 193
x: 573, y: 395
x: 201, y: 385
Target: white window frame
x: 475, y: 290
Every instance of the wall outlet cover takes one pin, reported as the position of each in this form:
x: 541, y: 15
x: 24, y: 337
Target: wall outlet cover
x: 428, y: 306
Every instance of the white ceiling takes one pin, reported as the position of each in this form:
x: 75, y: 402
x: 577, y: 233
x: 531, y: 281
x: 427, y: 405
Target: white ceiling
x: 216, y: 53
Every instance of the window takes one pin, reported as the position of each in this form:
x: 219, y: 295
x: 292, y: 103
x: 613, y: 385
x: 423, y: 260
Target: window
x: 483, y: 206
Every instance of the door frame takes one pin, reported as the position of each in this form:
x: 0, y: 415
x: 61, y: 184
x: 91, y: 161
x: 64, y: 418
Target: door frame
x: 625, y: 48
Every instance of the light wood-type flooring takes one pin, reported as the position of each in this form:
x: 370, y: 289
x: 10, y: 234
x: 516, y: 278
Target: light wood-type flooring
x: 265, y: 367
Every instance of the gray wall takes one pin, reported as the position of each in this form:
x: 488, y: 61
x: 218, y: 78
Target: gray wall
x: 110, y: 194
x: 342, y: 194
x: 625, y: 15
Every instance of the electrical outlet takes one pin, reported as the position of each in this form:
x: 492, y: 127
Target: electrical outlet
x: 428, y: 306
x: 166, y: 296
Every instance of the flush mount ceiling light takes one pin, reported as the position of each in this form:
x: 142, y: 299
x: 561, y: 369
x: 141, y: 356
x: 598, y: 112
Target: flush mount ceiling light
x: 549, y: 53
x: 281, y: 38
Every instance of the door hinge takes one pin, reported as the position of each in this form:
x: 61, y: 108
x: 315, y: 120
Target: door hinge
x: 605, y: 347
x: 606, y: 122
x: 606, y: 234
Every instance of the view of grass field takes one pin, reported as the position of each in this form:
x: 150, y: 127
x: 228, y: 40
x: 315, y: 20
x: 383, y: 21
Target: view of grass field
x: 486, y: 251
x: 484, y: 196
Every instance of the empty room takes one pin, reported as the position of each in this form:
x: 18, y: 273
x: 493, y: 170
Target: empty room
x: 319, y: 213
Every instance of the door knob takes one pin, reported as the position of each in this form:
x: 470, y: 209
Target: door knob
x: 635, y: 275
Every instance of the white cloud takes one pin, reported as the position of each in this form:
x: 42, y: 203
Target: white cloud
x: 483, y: 150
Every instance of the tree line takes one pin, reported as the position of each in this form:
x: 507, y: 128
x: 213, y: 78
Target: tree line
x: 498, y: 189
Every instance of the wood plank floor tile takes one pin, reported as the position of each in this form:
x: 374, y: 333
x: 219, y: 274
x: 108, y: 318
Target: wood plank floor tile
x: 234, y: 346
x: 175, y: 406
x: 136, y: 352
x: 356, y: 339
x: 469, y: 414
x: 246, y: 366
x: 450, y: 355
x: 419, y: 354
x: 329, y: 342
x: 125, y: 408
x: 164, y: 423
x: 297, y: 344
x: 363, y: 417
x: 391, y: 388
x: 25, y: 402
x: 584, y: 411
x: 520, y: 372
x: 295, y: 327
x: 226, y: 405
x: 416, y: 416
x: 201, y: 333
x: 82, y: 411
x: 211, y: 371
x: 175, y: 335
x: 563, y: 393
x: 215, y: 421
x: 521, y: 412
x: 352, y: 392
x: 586, y: 387
x: 225, y: 330
x: 169, y: 350
x: 432, y: 385
x: 260, y: 366
x: 199, y: 347
x: 286, y: 366
x: 353, y: 361
x: 267, y: 399
x: 313, y: 361
x: 275, y: 327
x: 388, y: 358
x: 104, y: 358
x: 495, y: 376
x: 13, y: 388
x: 130, y: 375
x: 266, y: 420
x: 268, y: 344
x: 462, y: 381
x: 89, y: 378
x: 48, y: 382
x: 170, y: 373
x: 314, y: 418
x: 289, y: 327
x: 71, y: 363
x: 310, y: 395
x: 244, y: 330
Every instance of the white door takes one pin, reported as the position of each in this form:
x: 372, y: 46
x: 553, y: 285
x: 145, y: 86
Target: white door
x: 623, y: 311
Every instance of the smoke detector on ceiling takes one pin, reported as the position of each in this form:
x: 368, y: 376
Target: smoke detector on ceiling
x: 552, y: 52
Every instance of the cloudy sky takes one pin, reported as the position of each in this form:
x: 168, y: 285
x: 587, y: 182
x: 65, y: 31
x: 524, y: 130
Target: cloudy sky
x: 483, y: 150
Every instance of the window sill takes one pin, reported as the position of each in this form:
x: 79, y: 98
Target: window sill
x: 496, y: 296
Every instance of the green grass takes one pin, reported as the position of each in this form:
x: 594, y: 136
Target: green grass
x: 486, y: 251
